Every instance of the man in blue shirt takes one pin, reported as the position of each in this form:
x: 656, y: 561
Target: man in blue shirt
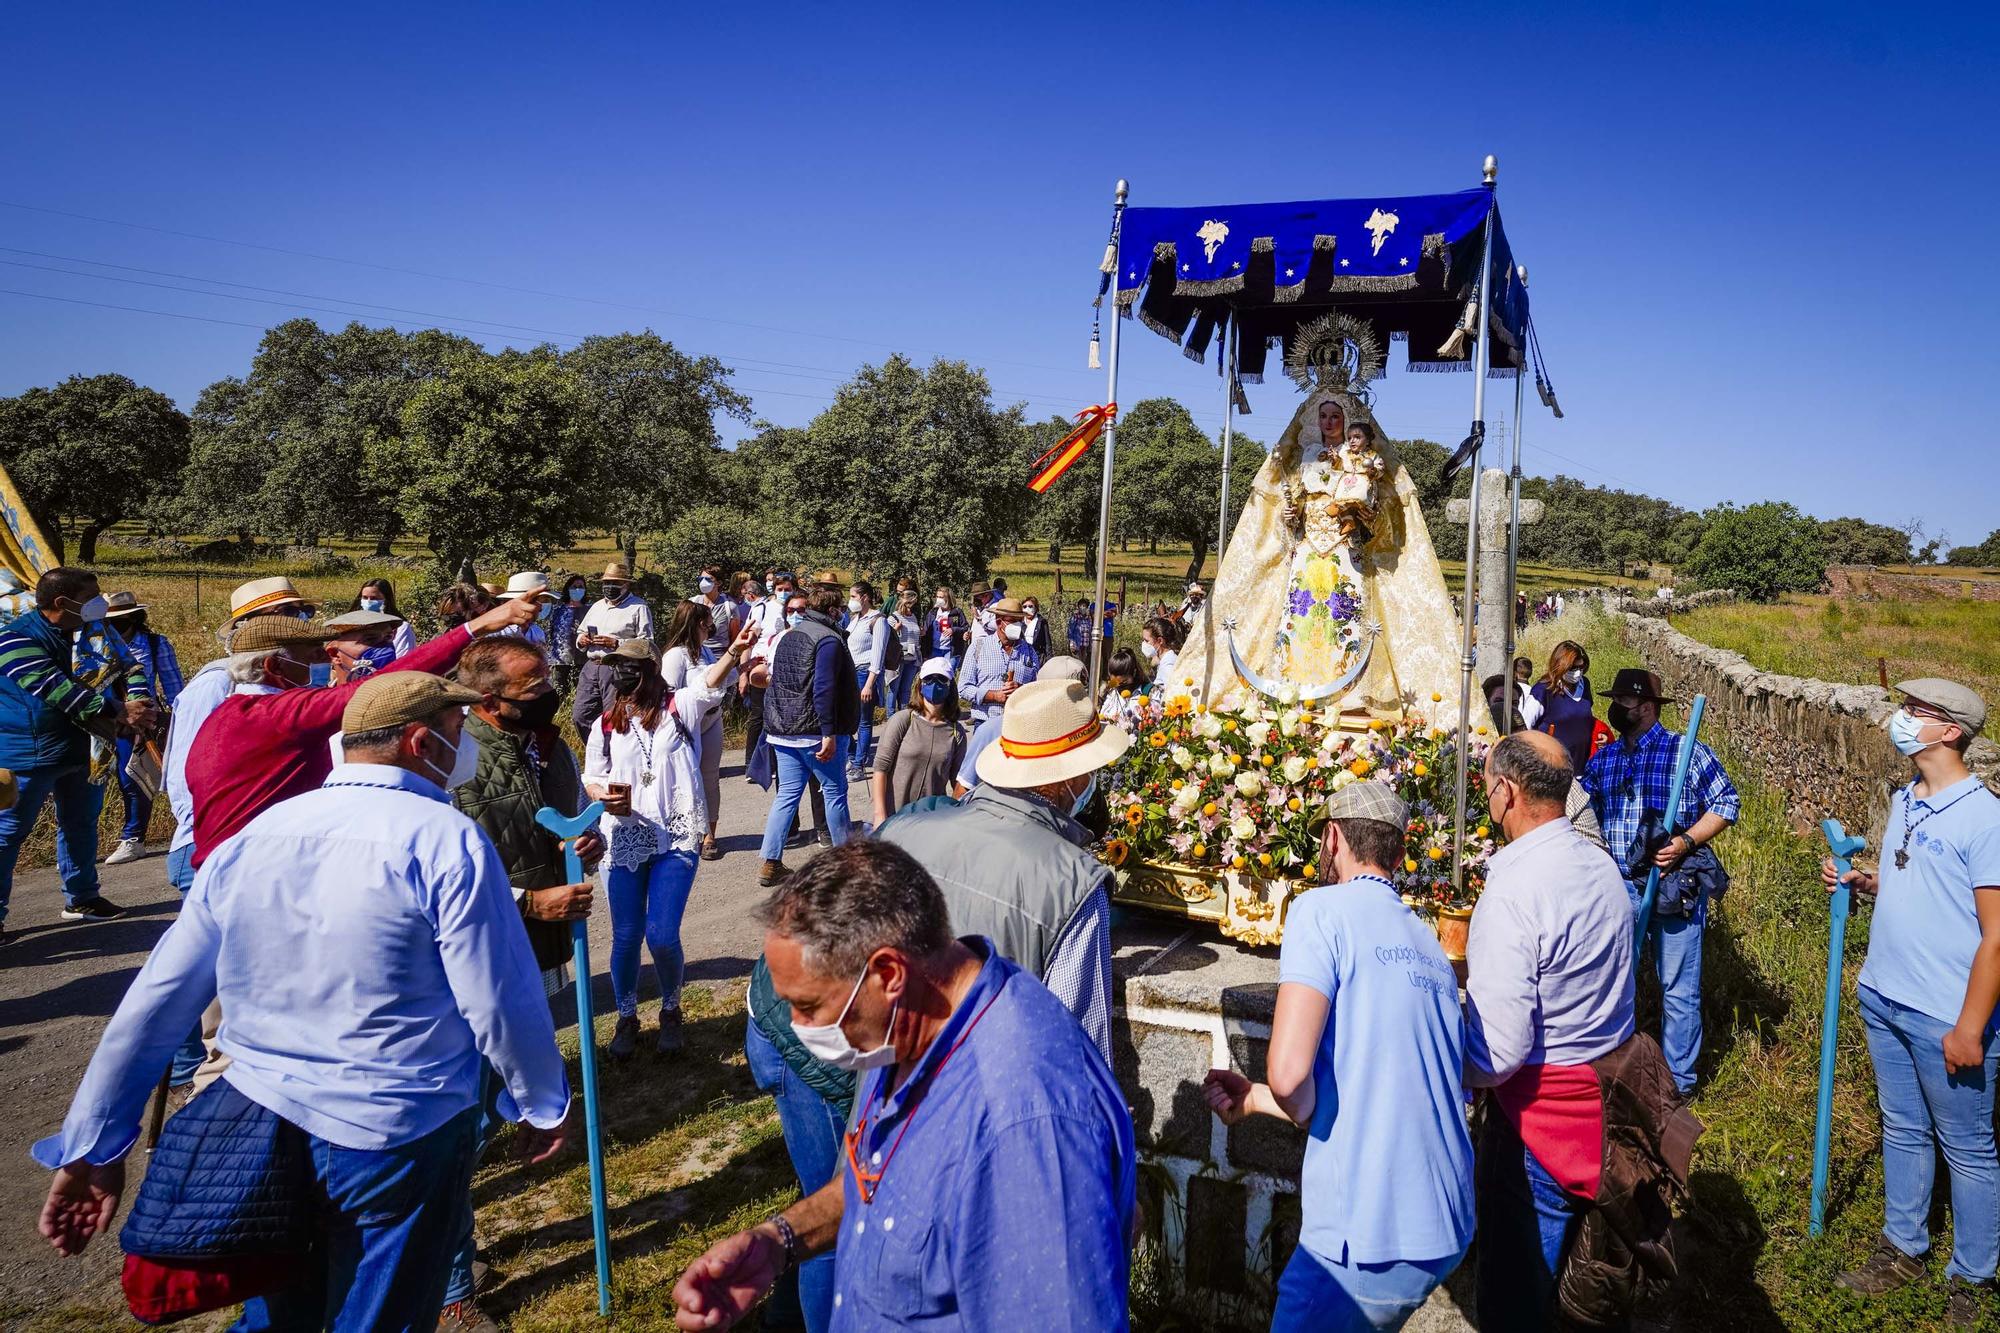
x: 988, y: 1178
x: 379, y: 1065
x: 997, y: 664
x: 1629, y: 783
x: 1367, y: 1049
x: 1927, y: 996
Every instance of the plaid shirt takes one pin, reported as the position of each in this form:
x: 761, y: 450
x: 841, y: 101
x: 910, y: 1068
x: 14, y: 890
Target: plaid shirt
x: 163, y: 669
x: 1626, y: 784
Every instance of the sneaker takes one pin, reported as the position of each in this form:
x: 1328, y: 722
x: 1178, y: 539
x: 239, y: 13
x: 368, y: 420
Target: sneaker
x: 93, y: 909
x: 464, y: 1317
x: 1968, y: 1304
x: 772, y: 872
x: 131, y: 849
x: 670, y: 1031
x: 1885, y: 1270
x: 824, y: 837
x: 625, y: 1038
x: 798, y: 838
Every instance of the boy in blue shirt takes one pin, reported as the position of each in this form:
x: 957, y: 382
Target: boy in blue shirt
x: 1367, y: 1049
x: 1927, y: 995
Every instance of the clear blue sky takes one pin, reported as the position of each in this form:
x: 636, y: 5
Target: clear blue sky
x: 1761, y: 249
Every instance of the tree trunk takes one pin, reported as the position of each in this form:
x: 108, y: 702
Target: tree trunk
x: 1152, y: 545
x: 1200, y: 555
x: 631, y: 549
x: 86, y: 545
x: 1055, y: 553
x: 383, y: 550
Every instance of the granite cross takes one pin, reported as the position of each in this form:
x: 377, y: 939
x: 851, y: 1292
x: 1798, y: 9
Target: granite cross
x: 1496, y: 612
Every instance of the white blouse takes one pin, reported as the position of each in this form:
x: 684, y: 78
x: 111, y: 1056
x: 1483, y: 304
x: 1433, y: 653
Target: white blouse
x: 663, y: 769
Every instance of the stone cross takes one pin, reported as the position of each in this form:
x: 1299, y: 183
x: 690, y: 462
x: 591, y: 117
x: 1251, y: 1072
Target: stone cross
x: 1496, y: 613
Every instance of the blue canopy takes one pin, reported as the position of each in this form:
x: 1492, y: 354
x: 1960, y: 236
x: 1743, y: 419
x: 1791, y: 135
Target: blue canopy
x: 1408, y: 264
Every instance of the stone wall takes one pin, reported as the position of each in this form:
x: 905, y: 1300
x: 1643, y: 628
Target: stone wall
x: 1823, y: 745
x: 1867, y: 583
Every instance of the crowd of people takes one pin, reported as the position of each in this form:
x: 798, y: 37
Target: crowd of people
x: 932, y: 1008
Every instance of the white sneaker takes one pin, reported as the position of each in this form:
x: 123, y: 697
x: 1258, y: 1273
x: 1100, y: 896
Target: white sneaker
x: 130, y: 849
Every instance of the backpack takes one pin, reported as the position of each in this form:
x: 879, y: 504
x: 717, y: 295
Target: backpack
x: 892, y: 648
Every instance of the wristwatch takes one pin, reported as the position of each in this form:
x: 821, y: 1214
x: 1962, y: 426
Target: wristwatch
x: 789, y: 1239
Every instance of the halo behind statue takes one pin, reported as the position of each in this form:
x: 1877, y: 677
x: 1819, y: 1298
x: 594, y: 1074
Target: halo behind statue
x: 1336, y: 352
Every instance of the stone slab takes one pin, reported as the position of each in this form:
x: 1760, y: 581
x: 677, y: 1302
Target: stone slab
x: 1192, y: 967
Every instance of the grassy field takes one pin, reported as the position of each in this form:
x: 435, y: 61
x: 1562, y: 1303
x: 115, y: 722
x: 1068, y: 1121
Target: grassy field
x: 1747, y: 1262
x: 1831, y: 639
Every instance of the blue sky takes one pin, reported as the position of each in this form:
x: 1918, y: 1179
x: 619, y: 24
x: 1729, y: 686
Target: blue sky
x: 1761, y: 245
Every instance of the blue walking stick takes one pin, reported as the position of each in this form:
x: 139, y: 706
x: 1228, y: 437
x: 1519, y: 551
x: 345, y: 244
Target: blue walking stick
x: 1673, y: 812
x: 586, y: 1030
x: 1843, y: 847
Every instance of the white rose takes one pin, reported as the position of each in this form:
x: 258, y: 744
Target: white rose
x: 1187, y: 799
x: 1332, y: 741
x: 1249, y: 782
x: 1182, y: 756
x: 1288, y: 722
x: 1208, y: 726
x: 1258, y: 732
x: 1219, y: 765
x: 1295, y: 768
x: 1244, y: 828
x: 1288, y: 693
x: 1343, y: 777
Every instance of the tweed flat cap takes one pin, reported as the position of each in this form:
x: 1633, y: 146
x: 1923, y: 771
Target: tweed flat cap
x: 263, y: 634
x: 1368, y: 799
x: 1954, y: 700
x: 392, y: 698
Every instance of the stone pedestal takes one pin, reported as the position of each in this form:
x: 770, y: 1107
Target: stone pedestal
x: 1221, y: 1204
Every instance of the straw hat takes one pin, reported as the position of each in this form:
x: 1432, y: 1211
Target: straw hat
x: 393, y: 698
x: 265, y: 594
x: 1049, y: 732
x: 122, y: 604
x: 362, y: 620
x: 530, y: 581
x: 265, y: 634
x: 616, y: 572
x: 635, y: 650
x: 1006, y: 606
x: 1063, y: 667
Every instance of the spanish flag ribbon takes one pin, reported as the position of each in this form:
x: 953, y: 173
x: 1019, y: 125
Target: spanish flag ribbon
x: 1091, y: 424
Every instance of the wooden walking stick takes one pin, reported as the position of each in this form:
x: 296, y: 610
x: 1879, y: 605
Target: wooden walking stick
x: 1673, y: 812
x: 1840, y: 903
x: 569, y: 830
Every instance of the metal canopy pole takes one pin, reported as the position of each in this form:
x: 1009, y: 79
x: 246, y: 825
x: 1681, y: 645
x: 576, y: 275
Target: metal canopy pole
x: 1229, y: 351
x: 1514, y: 530
x: 1481, y: 359
x: 1110, y: 448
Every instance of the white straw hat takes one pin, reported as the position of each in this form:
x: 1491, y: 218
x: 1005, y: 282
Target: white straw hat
x: 1049, y: 732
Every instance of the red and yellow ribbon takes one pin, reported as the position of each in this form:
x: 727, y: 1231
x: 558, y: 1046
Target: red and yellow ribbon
x: 1092, y: 421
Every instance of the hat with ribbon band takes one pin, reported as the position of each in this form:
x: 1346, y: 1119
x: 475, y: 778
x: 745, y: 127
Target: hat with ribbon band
x: 1049, y: 732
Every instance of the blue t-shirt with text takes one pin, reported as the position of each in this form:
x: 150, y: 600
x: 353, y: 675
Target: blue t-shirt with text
x: 1926, y: 927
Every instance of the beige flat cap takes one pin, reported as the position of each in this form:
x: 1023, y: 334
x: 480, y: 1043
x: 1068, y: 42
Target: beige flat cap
x: 393, y: 698
x: 263, y: 634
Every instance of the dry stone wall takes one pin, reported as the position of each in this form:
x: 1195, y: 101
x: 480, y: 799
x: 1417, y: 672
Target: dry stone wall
x: 1867, y: 583
x: 1825, y: 746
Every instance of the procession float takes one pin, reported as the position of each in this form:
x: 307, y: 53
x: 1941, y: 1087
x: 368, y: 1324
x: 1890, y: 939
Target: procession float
x: 1330, y: 651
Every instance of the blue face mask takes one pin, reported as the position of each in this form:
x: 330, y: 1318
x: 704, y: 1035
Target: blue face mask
x: 319, y: 675
x: 576, y: 594
x: 792, y: 618
x: 937, y: 691
x: 548, y: 609
x: 1077, y: 806
x: 375, y: 604
x: 372, y: 660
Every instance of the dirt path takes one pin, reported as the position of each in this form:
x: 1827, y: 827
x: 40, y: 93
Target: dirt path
x: 60, y: 983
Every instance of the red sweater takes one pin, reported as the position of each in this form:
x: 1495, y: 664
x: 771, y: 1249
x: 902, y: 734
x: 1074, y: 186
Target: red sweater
x: 258, y: 749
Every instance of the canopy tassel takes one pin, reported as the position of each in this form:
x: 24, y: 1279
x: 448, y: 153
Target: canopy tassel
x: 1095, y: 364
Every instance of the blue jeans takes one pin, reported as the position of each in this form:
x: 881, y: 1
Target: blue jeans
x: 795, y: 764
x: 1923, y: 1105
x: 900, y: 686
x: 1676, y: 944
x: 386, y: 1230
x: 77, y: 802
x: 812, y: 1139
x: 138, y: 805
x: 649, y: 902
x: 864, y: 731
x: 1318, y: 1297
x: 458, y: 1285
x: 180, y: 875
x: 1526, y: 1220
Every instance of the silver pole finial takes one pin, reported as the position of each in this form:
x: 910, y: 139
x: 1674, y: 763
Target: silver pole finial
x: 1124, y: 187
x: 1521, y: 270
x: 1492, y: 168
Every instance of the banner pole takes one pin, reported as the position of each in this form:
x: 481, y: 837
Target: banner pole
x: 1110, y: 449
x: 1842, y: 847
x: 1481, y: 359
x: 1231, y: 340
x: 1514, y: 537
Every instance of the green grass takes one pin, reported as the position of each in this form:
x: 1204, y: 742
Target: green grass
x: 1830, y: 639
x: 1746, y: 1260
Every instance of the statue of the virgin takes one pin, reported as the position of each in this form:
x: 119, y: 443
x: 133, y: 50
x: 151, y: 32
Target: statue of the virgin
x: 1330, y: 591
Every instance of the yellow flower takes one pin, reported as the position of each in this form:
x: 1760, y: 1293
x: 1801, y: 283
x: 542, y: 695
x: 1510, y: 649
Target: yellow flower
x: 1437, y: 853
x: 1483, y: 831
x: 1158, y: 740
x: 1135, y: 816
x: 1410, y: 864
x: 1115, y: 852
x: 1239, y: 863
x: 1376, y: 724
x: 1263, y: 858
x: 1266, y: 760
x: 1294, y: 805
x: 1178, y: 784
x: 1124, y: 694
x: 1312, y: 870
x: 1312, y: 762
x: 1359, y: 768
x: 1208, y: 809
x: 1187, y: 680
x: 1479, y: 730
x: 1436, y: 698
x: 1421, y: 769
x: 1229, y: 724
x: 1200, y: 851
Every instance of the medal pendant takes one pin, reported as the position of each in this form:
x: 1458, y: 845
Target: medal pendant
x: 1902, y: 859
x: 645, y: 779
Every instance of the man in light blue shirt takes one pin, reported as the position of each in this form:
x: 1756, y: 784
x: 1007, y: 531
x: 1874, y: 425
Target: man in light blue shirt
x: 1927, y: 996
x: 997, y: 664
x: 1367, y: 1045
x: 369, y: 956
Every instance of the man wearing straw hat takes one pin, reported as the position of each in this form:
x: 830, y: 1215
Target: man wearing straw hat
x: 155, y: 656
x: 378, y: 1066
x: 618, y: 615
x: 1012, y: 860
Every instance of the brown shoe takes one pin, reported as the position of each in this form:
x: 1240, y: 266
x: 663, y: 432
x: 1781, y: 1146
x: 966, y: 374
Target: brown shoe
x: 464, y: 1317
x: 624, y: 1038
x: 670, y: 1031
x: 1883, y: 1271
x: 772, y: 872
x: 1968, y: 1304
x: 709, y: 851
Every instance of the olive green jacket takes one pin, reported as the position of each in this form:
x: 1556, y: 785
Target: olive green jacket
x: 502, y: 800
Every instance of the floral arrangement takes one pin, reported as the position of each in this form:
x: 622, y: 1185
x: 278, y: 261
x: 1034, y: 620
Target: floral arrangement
x: 1238, y: 788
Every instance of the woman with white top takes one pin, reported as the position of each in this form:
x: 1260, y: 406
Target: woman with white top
x: 1160, y: 642
x: 686, y: 653
x: 868, y: 634
x: 908, y: 624
x: 1125, y: 687
x: 643, y: 760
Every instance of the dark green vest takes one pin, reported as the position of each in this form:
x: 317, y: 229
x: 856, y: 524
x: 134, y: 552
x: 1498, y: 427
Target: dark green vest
x: 502, y: 801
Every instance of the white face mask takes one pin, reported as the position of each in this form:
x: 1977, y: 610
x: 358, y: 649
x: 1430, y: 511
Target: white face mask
x: 986, y: 621
x: 1013, y: 631
x: 1146, y: 647
x: 854, y: 606
x: 1032, y: 612
x: 941, y: 604
x: 1906, y: 732
x: 1573, y: 677
x: 464, y: 762
x: 707, y: 585
x: 830, y: 1044
x: 94, y: 610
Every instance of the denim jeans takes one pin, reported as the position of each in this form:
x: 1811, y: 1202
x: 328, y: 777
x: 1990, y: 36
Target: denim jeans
x: 864, y: 731
x: 812, y: 1132
x: 78, y: 801
x: 465, y: 1249
x: 1317, y: 1297
x: 180, y: 875
x: 795, y: 763
x: 385, y: 1236
x: 1526, y: 1221
x: 649, y: 902
x: 138, y: 805
x: 1922, y: 1106
x: 1676, y: 945
x: 900, y: 686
